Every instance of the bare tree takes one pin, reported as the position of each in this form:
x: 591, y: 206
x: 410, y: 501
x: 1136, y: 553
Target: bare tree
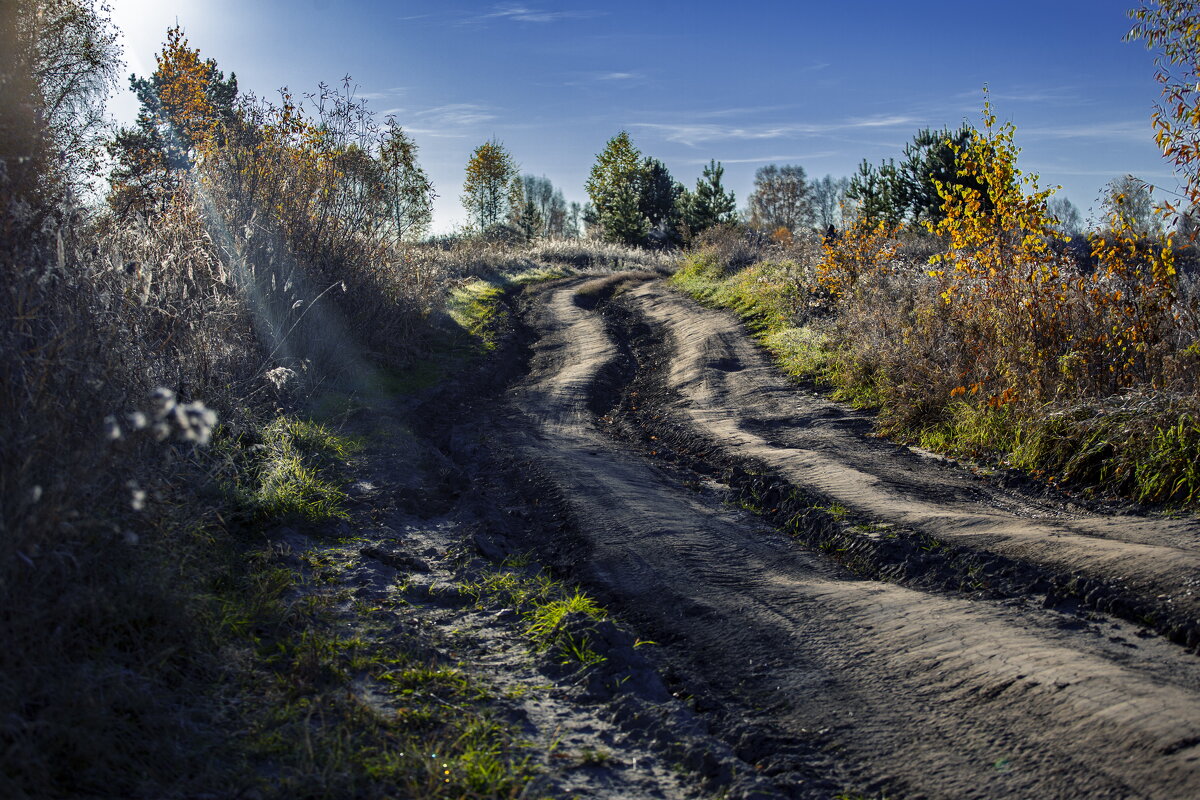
x: 781, y: 199
x: 1070, y: 221
x: 828, y: 198
x: 548, y: 202
x: 1129, y: 202
x: 64, y: 56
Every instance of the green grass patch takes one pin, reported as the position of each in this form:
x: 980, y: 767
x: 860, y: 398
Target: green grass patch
x: 544, y: 604
x: 294, y: 473
x: 476, y: 307
x: 306, y: 729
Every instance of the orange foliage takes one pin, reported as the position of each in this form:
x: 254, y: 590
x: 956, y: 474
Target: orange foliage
x: 183, y: 90
x: 1034, y: 326
x: 863, y: 248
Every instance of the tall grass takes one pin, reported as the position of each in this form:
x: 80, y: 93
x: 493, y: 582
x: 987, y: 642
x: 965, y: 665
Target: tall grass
x: 1084, y: 374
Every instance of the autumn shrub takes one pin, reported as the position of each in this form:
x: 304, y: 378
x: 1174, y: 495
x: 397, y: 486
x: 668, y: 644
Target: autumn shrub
x: 984, y: 335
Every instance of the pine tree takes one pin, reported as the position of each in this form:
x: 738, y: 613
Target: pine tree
x: 625, y: 222
x: 709, y: 205
x: 187, y: 104
x: 931, y: 158
x: 615, y: 188
x: 659, y: 201
x: 880, y: 193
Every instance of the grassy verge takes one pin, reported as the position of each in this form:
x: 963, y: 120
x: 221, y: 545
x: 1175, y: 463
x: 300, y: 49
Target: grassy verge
x: 476, y: 308
x: 1143, y: 446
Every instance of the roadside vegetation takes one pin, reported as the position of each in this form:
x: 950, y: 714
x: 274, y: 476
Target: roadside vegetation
x: 182, y: 342
x: 974, y: 311
x: 980, y: 328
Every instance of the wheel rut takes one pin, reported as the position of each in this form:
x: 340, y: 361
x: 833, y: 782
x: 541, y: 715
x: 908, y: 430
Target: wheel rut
x: 823, y: 679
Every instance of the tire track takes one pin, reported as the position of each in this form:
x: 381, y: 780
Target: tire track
x: 841, y: 680
x: 726, y: 391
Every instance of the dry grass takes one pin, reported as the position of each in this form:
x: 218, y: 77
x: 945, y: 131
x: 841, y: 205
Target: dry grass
x: 876, y: 327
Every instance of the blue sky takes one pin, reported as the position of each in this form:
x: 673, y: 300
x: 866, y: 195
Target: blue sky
x: 821, y: 84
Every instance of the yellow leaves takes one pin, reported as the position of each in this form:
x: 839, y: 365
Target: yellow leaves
x: 861, y: 249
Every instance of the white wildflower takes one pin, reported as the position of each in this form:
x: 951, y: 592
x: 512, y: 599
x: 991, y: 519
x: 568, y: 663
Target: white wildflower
x: 137, y: 496
x: 280, y: 377
x: 137, y: 420
x: 198, y: 422
x: 112, y: 431
x: 35, y: 494
x: 164, y: 402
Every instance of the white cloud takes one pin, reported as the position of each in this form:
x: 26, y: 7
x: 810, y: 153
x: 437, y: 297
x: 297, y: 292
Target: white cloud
x: 768, y: 159
x: 693, y: 134
x: 1118, y: 131
x: 456, y: 114
x: 520, y: 13
x: 450, y: 121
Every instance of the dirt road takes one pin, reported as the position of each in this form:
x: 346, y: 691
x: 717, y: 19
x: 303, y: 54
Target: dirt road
x: 889, y: 623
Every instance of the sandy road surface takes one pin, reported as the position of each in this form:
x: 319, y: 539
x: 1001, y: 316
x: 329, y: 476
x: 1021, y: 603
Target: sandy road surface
x: 819, y: 678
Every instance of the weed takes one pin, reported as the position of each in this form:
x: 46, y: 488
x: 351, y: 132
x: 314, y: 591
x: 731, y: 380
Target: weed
x: 545, y: 606
x: 294, y: 473
x: 594, y: 757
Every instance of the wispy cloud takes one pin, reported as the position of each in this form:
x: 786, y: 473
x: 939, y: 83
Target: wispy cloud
x: 742, y: 111
x: 457, y: 114
x: 450, y: 120
x: 693, y: 134
x: 880, y: 121
x: 520, y: 13
x: 768, y: 159
x: 395, y: 91
x: 1139, y: 131
x: 1058, y: 95
x: 617, y: 76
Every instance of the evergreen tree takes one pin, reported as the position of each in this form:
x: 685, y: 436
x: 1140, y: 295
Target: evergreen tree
x: 932, y: 157
x: 527, y: 216
x: 709, y: 205
x: 615, y: 188
x: 187, y: 104
x: 625, y: 221
x: 659, y: 201
x: 879, y: 193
